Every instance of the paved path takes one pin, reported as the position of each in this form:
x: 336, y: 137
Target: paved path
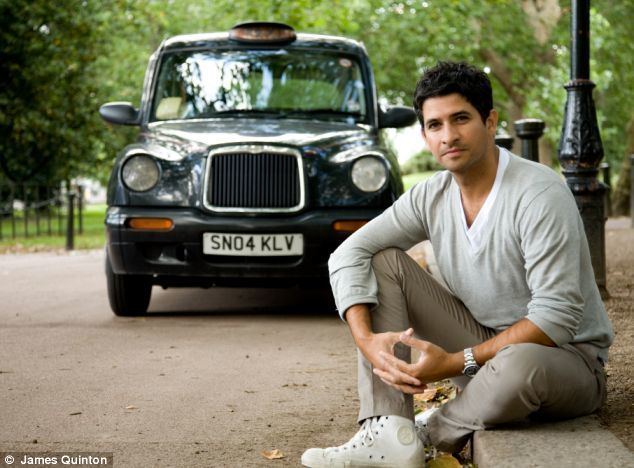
x: 209, y: 378
x: 221, y: 376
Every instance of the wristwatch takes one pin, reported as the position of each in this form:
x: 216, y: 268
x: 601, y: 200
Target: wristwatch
x: 471, y: 367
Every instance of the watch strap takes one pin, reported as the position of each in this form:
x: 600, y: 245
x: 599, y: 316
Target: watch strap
x: 471, y: 366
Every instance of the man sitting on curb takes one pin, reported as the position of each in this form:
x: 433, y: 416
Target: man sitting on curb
x: 522, y: 318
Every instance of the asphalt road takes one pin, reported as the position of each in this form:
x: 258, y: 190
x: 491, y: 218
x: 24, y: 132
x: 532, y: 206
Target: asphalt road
x: 208, y: 378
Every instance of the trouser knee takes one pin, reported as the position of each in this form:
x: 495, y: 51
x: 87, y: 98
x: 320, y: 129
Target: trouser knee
x: 385, y: 265
x: 521, y: 367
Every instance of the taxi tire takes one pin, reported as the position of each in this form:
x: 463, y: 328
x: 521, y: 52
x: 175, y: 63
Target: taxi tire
x: 129, y: 295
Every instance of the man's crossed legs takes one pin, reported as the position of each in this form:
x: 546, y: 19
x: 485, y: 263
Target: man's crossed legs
x: 521, y: 380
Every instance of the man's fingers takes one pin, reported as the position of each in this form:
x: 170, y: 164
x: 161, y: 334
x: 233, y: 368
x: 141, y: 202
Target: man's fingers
x: 407, y: 338
x: 395, y: 376
x: 399, y: 368
x: 396, y: 362
x: 406, y: 388
x: 389, y: 384
x: 412, y: 390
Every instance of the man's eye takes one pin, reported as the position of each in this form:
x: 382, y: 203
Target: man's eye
x: 432, y: 125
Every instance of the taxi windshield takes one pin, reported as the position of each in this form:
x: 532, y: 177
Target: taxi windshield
x: 271, y: 83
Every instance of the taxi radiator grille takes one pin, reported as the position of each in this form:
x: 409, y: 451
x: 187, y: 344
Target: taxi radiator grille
x: 248, y: 180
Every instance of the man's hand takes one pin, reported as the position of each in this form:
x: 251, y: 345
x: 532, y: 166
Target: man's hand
x: 375, y: 345
x: 378, y: 348
x: 434, y: 364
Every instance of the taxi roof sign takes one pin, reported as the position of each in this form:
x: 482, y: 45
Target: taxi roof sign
x: 262, y: 32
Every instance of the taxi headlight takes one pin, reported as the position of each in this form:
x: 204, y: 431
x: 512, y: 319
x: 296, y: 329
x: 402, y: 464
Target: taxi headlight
x: 369, y: 174
x: 140, y: 173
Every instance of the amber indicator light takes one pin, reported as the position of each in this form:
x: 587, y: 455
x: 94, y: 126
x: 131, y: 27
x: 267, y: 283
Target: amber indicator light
x: 151, y: 224
x: 348, y: 226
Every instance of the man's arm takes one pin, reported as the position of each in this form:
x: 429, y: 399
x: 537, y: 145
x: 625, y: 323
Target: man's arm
x: 350, y: 266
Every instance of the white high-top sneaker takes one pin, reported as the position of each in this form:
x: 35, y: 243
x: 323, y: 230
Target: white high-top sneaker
x: 421, y: 421
x: 386, y: 441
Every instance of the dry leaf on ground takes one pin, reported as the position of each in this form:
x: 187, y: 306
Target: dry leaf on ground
x: 428, y: 394
x: 130, y: 407
x: 272, y: 454
x: 444, y: 461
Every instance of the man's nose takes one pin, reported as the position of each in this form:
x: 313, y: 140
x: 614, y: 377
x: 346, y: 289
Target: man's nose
x: 450, y: 135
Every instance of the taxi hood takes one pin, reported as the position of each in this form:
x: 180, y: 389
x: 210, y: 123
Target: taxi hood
x: 212, y: 133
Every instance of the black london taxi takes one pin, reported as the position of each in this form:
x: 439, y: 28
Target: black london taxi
x: 258, y: 153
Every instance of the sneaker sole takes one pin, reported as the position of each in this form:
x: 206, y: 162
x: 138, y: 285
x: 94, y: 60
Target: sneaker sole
x: 353, y: 464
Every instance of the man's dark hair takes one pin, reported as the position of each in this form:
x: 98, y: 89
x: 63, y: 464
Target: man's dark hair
x: 454, y: 77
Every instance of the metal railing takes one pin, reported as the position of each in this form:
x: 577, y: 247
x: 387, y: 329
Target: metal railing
x: 33, y: 210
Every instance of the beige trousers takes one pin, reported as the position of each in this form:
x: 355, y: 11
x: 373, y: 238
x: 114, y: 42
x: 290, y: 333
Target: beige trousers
x: 521, y: 380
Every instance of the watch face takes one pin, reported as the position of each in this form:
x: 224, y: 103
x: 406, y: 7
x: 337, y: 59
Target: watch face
x: 470, y: 371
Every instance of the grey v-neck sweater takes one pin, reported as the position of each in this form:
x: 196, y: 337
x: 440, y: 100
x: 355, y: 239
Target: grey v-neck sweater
x: 533, y: 262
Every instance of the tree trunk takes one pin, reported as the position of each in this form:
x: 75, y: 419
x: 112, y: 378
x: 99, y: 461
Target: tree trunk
x: 621, y: 192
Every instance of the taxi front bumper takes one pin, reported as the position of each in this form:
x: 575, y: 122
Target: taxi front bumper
x: 175, y: 257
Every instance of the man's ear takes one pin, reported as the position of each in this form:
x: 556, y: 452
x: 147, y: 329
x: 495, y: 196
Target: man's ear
x: 492, y: 121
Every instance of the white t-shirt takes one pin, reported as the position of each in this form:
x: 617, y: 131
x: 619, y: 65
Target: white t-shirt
x: 474, y: 233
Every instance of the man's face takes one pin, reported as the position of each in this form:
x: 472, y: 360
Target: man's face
x: 455, y: 134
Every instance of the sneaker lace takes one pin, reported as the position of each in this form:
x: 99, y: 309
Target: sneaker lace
x: 364, y: 436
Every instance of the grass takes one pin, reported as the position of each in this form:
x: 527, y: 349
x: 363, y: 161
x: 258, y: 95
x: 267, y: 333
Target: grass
x: 93, y: 236
x: 410, y: 180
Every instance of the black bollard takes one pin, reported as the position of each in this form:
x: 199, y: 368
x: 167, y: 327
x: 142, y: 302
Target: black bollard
x: 530, y: 131
x: 80, y: 208
x: 13, y: 225
x: 59, y: 203
x: 70, y: 228
x: 504, y: 140
x: 48, y: 210
x: 37, y: 210
x: 26, y: 210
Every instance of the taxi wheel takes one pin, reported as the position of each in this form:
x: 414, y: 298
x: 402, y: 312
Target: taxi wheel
x: 129, y: 295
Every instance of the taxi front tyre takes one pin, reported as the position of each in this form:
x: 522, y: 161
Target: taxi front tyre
x: 129, y: 295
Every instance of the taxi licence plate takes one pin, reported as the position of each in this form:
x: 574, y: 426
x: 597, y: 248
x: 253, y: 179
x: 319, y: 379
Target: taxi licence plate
x: 253, y: 245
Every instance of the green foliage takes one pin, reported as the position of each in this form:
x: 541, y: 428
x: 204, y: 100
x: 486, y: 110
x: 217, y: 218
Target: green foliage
x: 611, y: 67
x: 60, y: 60
x: 409, y: 180
x: 48, y: 91
x: 420, y: 162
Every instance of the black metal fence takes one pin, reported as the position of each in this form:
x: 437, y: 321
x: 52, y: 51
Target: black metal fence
x: 33, y: 210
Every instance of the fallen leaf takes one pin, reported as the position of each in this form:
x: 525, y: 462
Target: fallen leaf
x: 444, y: 461
x: 131, y: 407
x: 428, y: 394
x: 272, y: 454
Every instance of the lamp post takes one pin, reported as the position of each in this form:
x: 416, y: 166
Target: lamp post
x: 580, y: 147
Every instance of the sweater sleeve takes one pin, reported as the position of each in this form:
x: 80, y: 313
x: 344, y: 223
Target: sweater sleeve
x: 350, y: 266
x: 552, y: 236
